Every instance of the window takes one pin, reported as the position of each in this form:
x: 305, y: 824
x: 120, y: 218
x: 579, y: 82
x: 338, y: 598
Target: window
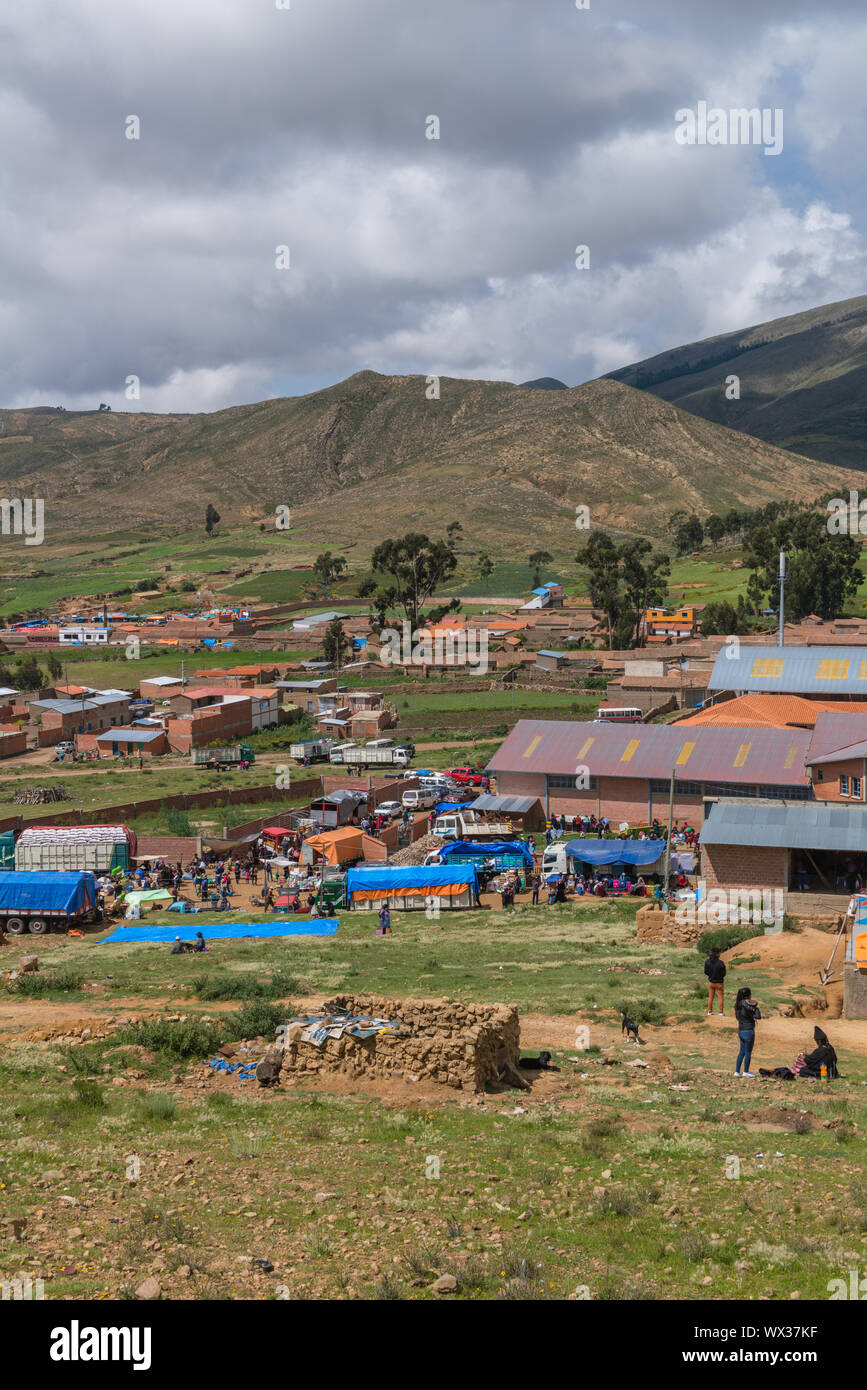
x: 856, y: 787
x: 569, y: 783
x: 682, y: 788
x: 844, y: 786
x: 819, y: 775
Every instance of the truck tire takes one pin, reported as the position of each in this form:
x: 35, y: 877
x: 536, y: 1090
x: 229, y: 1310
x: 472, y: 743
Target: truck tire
x: 38, y: 926
x: 14, y: 926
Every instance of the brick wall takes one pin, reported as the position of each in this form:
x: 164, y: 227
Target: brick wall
x: 745, y: 866
x: 829, y: 788
x: 12, y: 743
x: 618, y: 798
x: 225, y: 724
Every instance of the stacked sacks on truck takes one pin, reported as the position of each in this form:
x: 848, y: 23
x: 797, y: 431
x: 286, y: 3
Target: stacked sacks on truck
x: 95, y: 849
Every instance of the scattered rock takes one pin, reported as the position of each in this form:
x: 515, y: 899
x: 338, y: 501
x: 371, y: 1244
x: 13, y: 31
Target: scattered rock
x: 447, y: 1283
x: 149, y: 1289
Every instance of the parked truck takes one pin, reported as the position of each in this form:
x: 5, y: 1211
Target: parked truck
x: 40, y: 902
x: 317, y: 750
x: 370, y: 756
x: 95, y: 849
x: 467, y: 825
x: 227, y: 755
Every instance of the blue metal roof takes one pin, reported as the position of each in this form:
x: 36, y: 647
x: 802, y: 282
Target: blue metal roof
x: 803, y: 825
x: 829, y: 671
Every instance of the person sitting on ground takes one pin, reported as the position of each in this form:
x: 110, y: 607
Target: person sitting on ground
x: 640, y: 889
x: 199, y: 943
x: 823, y: 1055
x: 178, y: 947
x: 600, y: 891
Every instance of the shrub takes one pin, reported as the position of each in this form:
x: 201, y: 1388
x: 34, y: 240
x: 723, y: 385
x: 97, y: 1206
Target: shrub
x: 224, y: 986
x: 178, y: 822
x: 87, y: 1094
x: 55, y: 982
x: 189, y: 1039
x: 257, y: 1019
x: 643, y: 1011
x: 726, y: 937
x: 161, y: 1107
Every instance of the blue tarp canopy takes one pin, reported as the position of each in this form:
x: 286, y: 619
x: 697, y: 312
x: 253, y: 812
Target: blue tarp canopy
x: 409, y: 876
x: 636, y: 852
x: 38, y: 890
x: 316, y: 926
x: 445, y: 806
x: 490, y: 850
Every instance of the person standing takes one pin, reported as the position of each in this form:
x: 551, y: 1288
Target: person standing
x: 715, y: 969
x: 747, y: 1013
x: 536, y: 882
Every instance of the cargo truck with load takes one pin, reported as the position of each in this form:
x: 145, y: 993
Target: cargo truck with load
x: 36, y: 902
x: 370, y: 756
x: 96, y: 849
x: 227, y: 755
x: 317, y: 750
x: 467, y: 825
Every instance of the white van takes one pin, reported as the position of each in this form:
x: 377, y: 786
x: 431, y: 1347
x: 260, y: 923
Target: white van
x: 419, y: 799
x: 437, y: 781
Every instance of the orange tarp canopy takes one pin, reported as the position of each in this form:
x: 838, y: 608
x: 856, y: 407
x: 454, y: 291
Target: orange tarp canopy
x: 441, y: 890
x: 346, y: 843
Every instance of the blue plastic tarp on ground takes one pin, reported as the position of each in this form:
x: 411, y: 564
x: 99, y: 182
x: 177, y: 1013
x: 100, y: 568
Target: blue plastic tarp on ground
x: 409, y: 876
x: 225, y: 931
x: 635, y: 852
x: 493, y: 849
x: 36, y: 890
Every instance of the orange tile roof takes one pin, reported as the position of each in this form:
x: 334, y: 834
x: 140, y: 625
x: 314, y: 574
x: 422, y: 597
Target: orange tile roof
x: 771, y: 712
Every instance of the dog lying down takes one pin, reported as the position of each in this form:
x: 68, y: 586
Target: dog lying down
x: 540, y: 1063
x: 631, y: 1030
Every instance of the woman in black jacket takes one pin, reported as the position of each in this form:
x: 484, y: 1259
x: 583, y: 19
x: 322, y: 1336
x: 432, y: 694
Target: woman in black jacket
x: 824, y: 1055
x: 746, y: 1013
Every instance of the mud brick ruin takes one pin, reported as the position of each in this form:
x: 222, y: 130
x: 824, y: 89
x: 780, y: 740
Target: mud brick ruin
x: 461, y: 1045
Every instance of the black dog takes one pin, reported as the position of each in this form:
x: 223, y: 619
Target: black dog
x: 631, y: 1030
x: 540, y: 1063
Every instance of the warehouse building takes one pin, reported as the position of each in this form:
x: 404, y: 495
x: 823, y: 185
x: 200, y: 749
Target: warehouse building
x: 623, y: 771
x: 836, y: 673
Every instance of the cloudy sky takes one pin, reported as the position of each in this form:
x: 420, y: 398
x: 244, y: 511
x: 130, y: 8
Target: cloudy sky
x: 305, y: 128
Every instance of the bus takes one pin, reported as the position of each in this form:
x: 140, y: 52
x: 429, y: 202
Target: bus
x: 619, y: 714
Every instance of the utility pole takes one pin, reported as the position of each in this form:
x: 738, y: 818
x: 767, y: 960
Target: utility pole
x: 668, y: 841
x: 782, y: 595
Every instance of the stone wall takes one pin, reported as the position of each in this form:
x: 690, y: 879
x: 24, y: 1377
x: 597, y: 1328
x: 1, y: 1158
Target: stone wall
x: 656, y: 925
x: 458, y: 1045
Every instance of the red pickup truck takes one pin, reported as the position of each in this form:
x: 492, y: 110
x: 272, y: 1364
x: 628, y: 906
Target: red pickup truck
x: 467, y: 776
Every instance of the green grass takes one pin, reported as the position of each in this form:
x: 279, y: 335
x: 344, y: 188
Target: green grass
x: 614, y: 1183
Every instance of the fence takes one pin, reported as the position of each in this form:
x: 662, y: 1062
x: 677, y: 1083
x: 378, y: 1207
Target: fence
x: 186, y: 801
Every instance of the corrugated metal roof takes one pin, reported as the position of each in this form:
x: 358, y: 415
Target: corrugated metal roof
x: 834, y: 732
x: 792, y: 670
x: 129, y: 735
x: 797, y: 826
x: 764, y: 756
x: 852, y: 750
x: 514, y: 805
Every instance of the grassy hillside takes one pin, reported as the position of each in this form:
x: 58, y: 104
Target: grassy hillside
x: 372, y: 455
x: 802, y: 381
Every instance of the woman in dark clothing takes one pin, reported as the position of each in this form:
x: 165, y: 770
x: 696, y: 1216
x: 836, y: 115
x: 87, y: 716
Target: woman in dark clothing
x: 824, y: 1055
x: 746, y: 1013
